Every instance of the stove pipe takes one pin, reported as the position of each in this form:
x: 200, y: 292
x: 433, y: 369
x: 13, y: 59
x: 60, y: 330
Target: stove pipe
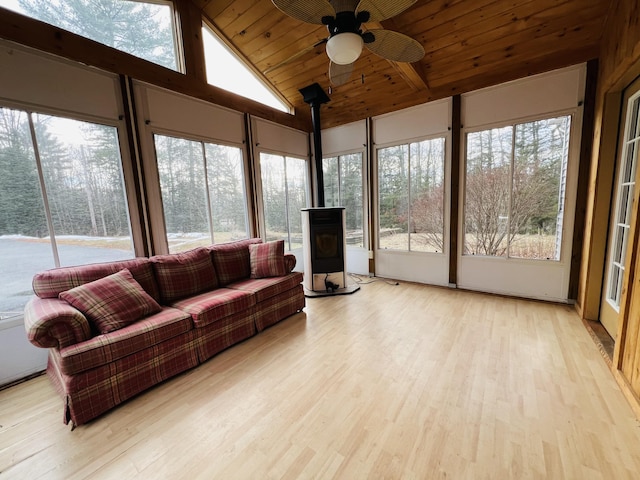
x: 315, y: 96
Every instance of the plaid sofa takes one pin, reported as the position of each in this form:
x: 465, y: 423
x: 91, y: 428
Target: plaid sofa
x: 208, y: 302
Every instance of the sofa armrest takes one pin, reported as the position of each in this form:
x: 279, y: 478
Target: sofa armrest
x: 53, y: 323
x: 289, y: 262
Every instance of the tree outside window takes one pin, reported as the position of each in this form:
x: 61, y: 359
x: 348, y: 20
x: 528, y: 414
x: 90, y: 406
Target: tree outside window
x: 343, y: 188
x: 411, y: 196
x: 203, y: 192
x: 284, y: 195
x: 515, y: 189
x: 62, y: 199
x: 143, y: 29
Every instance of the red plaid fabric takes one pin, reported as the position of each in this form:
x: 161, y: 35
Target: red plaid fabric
x: 103, y: 349
x: 112, y: 302
x: 213, y: 306
x: 231, y: 260
x: 279, y: 307
x: 264, y: 288
x: 267, y: 259
x: 96, y: 391
x: 218, y: 336
x: 289, y: 262
x: 53, y: 323
x: 180, y: 275
x: 50, y: 283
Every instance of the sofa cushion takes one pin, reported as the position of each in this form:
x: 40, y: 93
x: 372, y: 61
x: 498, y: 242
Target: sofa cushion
x: 267, y: 259
x: 112, y: 302
x: 50, y: 283
x: 264, y: 288
x: 105, y: 349
x: 210, y: 307
x: 183, y: 274
x: 231, y: 260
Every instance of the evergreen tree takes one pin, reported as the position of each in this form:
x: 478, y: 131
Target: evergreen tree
x: 134, y: 27
x: 21, y: 208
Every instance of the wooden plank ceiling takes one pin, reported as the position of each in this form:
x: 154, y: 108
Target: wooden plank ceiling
x: 469, y: 44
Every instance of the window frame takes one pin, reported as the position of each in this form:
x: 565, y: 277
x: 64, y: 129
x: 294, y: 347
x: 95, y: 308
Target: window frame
x: 126, y: 168
x: 365, y: 196
x: 250, y: 69
x: 177, y: 44
x: 574, y: 117
x: 614, y: 267
x: 446, y: 137
x: 260, y: 188
x: 202, y: 140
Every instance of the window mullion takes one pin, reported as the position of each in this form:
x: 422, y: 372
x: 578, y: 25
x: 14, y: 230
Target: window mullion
x: 339, y: 180
x: 409, y: 196
x: 43, y: 189
x: 511, y: 174
x: 207, y: 194
x: 286, y: 202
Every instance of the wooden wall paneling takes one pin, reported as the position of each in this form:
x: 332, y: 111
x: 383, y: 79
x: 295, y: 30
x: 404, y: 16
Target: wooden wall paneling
x: 619, y: 65
x: 586, y: 146
x: 620, y: 49
x: 190, y: 26
x: 601, y: 178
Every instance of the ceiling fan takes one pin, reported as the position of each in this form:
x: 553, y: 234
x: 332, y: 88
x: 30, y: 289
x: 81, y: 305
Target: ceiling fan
x: 344, y: 19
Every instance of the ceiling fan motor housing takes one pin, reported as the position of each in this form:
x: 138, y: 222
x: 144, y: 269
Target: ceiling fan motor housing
x: 345, y: 22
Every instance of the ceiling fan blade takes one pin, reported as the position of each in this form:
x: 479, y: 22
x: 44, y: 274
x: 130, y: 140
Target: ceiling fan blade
x: 395, y: 46
x: 344, y: 5
x: 382, y: 9
x: 339, y: 74
x: 295, y: 56
x: 310, y: 11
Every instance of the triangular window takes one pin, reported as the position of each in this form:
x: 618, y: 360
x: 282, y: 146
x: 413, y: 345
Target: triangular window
x: 227, y: 71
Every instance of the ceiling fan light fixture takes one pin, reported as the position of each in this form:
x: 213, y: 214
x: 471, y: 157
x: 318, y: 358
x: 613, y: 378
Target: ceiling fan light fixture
x: 344, y: 48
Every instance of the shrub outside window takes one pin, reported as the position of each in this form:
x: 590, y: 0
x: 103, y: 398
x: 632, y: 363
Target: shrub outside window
x: 411, y: 196
x: 515, y: 189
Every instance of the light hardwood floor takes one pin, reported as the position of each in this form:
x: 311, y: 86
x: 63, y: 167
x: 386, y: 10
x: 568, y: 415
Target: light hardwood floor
x: 397, y: 382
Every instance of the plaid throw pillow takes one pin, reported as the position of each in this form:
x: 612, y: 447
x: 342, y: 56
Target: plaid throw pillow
x: 184, y: 274
x: 112, y: 302
x: 267, y: 259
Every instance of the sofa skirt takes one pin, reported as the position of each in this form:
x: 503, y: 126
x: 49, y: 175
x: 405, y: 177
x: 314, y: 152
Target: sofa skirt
x: 89, y: 394
x: 272, y: 310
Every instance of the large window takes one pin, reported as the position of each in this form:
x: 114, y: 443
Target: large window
x: 203, y: 192
x: 143, y: 29
x: 284, y: 194
x: 624, y: 199
x: 62, y: 199
x: 343, y: 188
x: 515, y: 189
x: 411, y: 196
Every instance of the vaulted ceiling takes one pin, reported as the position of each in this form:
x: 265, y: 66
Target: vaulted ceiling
x: 469, y: 44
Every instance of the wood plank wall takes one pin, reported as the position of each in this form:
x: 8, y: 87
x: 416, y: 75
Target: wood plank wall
x: 619, y: 66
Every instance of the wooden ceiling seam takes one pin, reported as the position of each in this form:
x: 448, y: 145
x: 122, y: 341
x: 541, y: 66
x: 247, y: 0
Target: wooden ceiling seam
x: 469, y: 44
